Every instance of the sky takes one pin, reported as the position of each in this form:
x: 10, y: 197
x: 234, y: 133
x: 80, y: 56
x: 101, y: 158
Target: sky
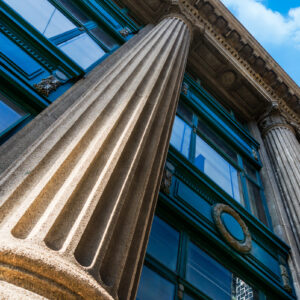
x: 276, y: 26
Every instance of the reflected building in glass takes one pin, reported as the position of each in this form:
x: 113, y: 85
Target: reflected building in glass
x: 150, y: 150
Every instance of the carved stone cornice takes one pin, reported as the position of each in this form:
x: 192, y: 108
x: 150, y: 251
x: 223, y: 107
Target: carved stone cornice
x: 274, y: 117
x: 251, y: 78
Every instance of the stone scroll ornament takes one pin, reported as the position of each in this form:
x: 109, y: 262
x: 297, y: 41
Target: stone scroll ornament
x: 232, y: 228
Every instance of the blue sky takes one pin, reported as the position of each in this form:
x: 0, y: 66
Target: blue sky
x: 276, y: 25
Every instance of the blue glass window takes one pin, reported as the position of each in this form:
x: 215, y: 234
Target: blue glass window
x: 163, y: 243
x: 154, y: 287
x: 83, y: 50
x: 207, y: 275
x: 10, y: 114
x: 181, y: 136
x: 42, y: 15
x: 217, y: 168
x: 78, y: 41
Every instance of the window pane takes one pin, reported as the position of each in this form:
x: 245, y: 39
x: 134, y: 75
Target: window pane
x: 207, y: 275
x: 181, y: 136
x: 217, y: 168
x: 188, y: 297
x: 104, y: 37
x: 163, y: 243
x: 154, y: 287
x: 185, y: 113
x: 74, y: 10
x: 250, y: 171
x: 212, y: 136
x: 83, y: 50
x: 9, y: 113
x: 43, y: 16
x: 256, y: 203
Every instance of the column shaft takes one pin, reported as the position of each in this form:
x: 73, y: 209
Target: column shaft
x: 76, y: 208
x: 284, y: 152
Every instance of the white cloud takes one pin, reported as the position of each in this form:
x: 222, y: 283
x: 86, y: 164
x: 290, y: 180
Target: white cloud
x: 266, y: 25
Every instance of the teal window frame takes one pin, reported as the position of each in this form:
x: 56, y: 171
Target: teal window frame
x: 49, y: 56
x: 178, y: 276
x: 204, y: 107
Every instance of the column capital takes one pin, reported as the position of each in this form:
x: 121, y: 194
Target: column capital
x: 182, y: 10
x: 274, y: 118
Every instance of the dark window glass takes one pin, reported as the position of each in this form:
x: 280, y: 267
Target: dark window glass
x: 250, y: 171
x: 181, y: 136
x: 214, y: 280
x: 154, y: 287
x: 217, y: 168
x: 163, y: 243
x: 104, y: 37
x: 185, y: 113
x: 212, y: 136
x: 188, y: 297
x: 74, y: 10
x: 207, y: 275
x: 9, y: 113
x: 256, y: 202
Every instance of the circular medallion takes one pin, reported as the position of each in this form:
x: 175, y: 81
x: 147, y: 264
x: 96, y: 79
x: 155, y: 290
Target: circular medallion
x: 232, y: 228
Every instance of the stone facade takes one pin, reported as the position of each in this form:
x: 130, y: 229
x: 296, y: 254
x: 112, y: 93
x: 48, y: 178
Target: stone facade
x: 78, y: 195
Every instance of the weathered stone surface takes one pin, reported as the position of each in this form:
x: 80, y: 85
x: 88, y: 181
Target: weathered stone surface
x: 284, y: 153
x: 77, y: 206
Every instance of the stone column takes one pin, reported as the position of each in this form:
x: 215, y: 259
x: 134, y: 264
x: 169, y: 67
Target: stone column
x: 77, y: 207
x: 284, y: 153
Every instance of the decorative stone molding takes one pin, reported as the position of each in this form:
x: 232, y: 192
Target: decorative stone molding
x: 273, y: 118
x: 237, y: 50
x: 285, y: 278
x: 125, y: 32
x: 243, y: 246
x: 185, y: 88
x: 167, y: 178
x: 47, y: 85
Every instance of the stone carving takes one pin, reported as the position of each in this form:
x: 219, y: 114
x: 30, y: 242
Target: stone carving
x: 47, y: 85
x: 185, y: 88
x: 167, y: 178
x: 125, y: 32
x: 285, y: 278
x: 240, y: 246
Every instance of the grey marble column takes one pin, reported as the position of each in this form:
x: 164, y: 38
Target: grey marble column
x: 284, y: 153
x: 77, y: 206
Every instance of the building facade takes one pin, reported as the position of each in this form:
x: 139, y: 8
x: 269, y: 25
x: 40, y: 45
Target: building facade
x: 150, y: 150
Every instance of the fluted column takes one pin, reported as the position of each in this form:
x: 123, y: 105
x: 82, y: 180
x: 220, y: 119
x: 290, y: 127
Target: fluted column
x: 77, y: 207
x: 284, y: 152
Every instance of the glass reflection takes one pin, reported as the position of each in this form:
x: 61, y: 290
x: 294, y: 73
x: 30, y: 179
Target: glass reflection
x: 214, y: 280
x: 83, y: 50
x: 163, y: 243
x: 41, y: 14
x: 217, y: 168
x: 181, y: 136
x: 9, y: 113
x: 154, y: 287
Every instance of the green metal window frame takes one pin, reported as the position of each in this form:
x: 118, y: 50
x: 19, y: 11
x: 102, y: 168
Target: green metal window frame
x: 196, y: 108
x: 49, y: 56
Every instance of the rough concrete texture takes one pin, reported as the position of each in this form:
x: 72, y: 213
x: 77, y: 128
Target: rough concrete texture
x: 77, y: 205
